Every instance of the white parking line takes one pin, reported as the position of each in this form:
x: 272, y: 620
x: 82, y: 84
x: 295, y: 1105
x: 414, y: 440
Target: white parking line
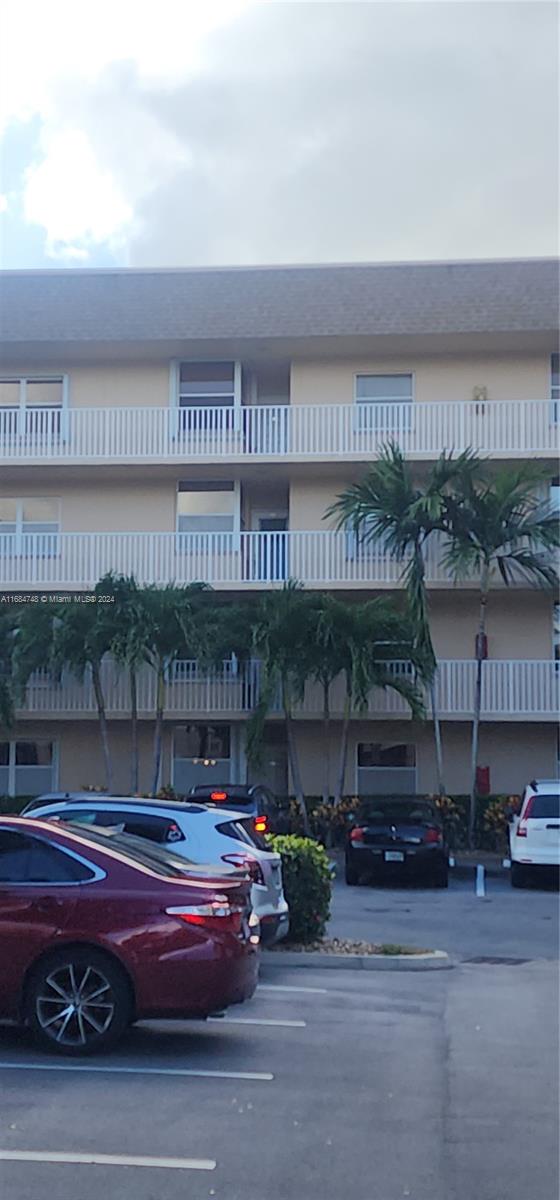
x: 257, y: 1076
x: 283, y: 987
x: 257, y: 1021
x: 108, y: 1160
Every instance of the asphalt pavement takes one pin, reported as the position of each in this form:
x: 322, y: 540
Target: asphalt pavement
x: 326, y: 1085
x: 506, y: 923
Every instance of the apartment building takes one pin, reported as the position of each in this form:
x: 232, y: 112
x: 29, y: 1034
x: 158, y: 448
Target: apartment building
x: 196, y: 424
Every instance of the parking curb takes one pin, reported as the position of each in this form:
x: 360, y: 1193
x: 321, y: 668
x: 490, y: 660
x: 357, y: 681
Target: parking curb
x: 435, y: 960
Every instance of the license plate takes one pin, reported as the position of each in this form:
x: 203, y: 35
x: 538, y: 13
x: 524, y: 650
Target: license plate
x: 394, y: 856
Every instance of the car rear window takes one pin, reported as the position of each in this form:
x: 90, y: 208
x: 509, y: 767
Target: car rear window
x: 160, y: 861
x: 244, y: 832
x: 409, y: 812
x: 545, y: 806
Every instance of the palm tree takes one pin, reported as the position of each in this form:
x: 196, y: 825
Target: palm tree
x: 388, y: 505
x: 82, y: 637
x: 280, y: 637
x: 353, y: 640
x: 374, y: 636
x: 499, y: 525
x: 129, y: 649
x: 8, y: 633
x: 171, y: 619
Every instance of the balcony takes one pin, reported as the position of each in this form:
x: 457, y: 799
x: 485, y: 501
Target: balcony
x: 318, y: 558
x: 512, y: 690
x: 268, y: 433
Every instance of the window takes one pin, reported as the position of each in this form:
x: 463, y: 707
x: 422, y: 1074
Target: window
x: 555, y: 386
x: 383, y: 403
x: 203, y: 388
x: 25, y: 859
x: 207, y: 507
x: 201, y: 755
x: 27, y: 768
x: 203, y: 742
x: 31, y: 406
x: 143, y: 825
x: 554, y: 494
x: 383, y: 389
x: 386, y: 768
x: 29, y: 526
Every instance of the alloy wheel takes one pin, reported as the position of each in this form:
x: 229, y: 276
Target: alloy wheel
x: 75, y: 1004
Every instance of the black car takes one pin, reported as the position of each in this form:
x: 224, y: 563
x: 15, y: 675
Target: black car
x: 398, y: 837
x: 252, y: 800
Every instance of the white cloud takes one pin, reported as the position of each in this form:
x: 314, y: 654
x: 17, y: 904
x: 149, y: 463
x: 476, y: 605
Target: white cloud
x: 72, y: 196
x: 95, y: 166
x: 3, y: 203
x: 229, y: 131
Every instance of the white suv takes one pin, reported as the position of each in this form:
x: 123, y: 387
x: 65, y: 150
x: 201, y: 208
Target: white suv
x: 193, y: 832
x: 534, y: 835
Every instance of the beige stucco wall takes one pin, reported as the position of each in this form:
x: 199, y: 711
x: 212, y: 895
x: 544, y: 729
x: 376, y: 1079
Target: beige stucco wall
x: 326, y: 381
x: 127, y: 385
x: 519, y: 624
x: 103, y: 507
x: 442, y: 378
x: 515, y: 752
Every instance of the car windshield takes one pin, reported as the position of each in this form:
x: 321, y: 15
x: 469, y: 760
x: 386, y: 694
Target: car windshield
x: 546, y: 806
x: 396, y: 812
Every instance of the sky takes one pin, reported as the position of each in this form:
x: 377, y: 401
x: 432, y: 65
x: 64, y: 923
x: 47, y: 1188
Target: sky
x: 225, y: 132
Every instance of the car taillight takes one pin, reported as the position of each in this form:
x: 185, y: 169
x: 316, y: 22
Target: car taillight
x: 357, y: 834
x: 521, y: 831
x: 250, y: 865
x: 432, y: 837
x: 219, y: 797
x: 260, y: 824
x: 219, y: 914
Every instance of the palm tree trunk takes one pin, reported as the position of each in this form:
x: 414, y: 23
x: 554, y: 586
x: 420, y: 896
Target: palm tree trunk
x: 437, y: 739
x: 477, y: 697
x: 327, y: 747
x: 103, y: 729
x: 293, y: 758
x: 343, y: 749
x: 158, y: 732
x: 133, y: 732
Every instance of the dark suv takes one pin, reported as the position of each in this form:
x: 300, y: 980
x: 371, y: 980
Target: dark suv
x: 397, y: 837
x: 252, y: 800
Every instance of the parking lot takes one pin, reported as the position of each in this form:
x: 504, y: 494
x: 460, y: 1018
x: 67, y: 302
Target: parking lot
x: 327, y: 1084
x: 505, y: 923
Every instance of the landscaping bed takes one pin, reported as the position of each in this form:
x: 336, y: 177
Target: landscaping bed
x: 344, y: 946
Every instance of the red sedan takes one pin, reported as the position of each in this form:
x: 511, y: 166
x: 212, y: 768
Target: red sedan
x: 97, y: 932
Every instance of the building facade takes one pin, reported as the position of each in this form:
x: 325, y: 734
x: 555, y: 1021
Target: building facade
x: 196, y: 425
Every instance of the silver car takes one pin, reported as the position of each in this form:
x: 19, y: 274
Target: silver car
x: 194, y: 832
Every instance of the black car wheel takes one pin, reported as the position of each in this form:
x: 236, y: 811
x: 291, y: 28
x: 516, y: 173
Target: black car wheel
x: 78, y: 1002
x: 441, y: 877
x: 518, y: 875
x: 351, y: 875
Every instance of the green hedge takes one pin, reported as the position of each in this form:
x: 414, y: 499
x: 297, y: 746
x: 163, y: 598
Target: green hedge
x: 307, y: 885
x: 13, y: 804
x: 328, y: 823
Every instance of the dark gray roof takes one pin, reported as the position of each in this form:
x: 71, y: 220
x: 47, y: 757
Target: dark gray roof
x: 279, y: 302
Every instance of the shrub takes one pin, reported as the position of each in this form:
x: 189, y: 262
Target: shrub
x: 14, y: 804
x: 307, y: 885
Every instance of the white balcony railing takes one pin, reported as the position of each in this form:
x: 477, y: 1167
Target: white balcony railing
x: 351, y: 431
x: 511, y: 690
x: 318, y: 558
x: 79, y: 560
